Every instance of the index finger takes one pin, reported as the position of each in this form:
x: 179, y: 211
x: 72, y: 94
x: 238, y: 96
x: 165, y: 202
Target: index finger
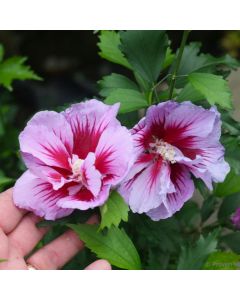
x: 10, y: 215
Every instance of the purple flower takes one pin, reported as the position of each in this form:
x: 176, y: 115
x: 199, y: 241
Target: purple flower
x: 236, y: 218
x: 173, y: 142
x: 73, y: 157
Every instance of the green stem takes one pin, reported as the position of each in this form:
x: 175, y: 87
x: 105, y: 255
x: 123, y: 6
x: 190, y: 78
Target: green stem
x: 178, y: 61
x: 150, y: 97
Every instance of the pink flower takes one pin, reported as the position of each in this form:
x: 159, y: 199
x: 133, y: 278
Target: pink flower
x: 173, y: 142
x: 73, y: 157
x: 236, y: 219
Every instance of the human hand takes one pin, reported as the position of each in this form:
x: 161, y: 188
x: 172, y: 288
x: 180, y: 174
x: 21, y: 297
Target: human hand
x: 19, y: 235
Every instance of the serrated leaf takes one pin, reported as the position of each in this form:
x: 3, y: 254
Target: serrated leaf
x: 189, y: 93
x: 130, y: 100
x: 115, y: 246
x: 15, y: 68
x: 214, y: 88
x: 194, y: 257
x: 115, y: 81
x: 1, y: 52
x: 231, y: 185
x: 114, y: 211
x: 109, y: 48
x: 146, y: 51
x: 222, y: 261
x: 194, y: 61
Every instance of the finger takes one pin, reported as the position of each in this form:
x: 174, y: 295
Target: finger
x: 26, y: 235
x: 10, y: 215
x: 3, y: 245
x: 14, y: 261
x: 100, y: 264
x: 57, y: 253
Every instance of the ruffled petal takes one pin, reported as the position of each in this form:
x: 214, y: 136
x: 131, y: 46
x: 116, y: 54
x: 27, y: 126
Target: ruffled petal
x: 184, y: 188
x: 114, y: 154
x: 84, y: 199
x: 38, y: 196
x: 185, y: 126
x: 56, y: 123
x: 57, y: 177
x: 91, y: 176
x: 88, y: 120
x: 141, y: 163
x: 45, y: 146
x: 189, y: 120
x: 211, y: 166
x: 148, y: 188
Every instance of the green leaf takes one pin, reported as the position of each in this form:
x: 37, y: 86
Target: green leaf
x: 109, y: 48
x: 228, y: 207
x: 189, y: 216
x: 114, y: 81
x: 145, y: 51
x: 193, y: 61
x: 115, y: 246
x: 15, y: 68
x: 164, y: 95
x: 169, y: 58
x: 130, y: 100
x: 208, y: 207
x: 222, y: 261
x: 231, y: 185
x: 232, y: 240
x: 156, y: 261
x: 232, y: 147
x: 5, y: 180
x: 189, y: 93
x: 113, y: 211
x: 164, y: 235
x: 213, y: 88
x: 2, y: 260
x: 194, y: 257
x: 1, y: 52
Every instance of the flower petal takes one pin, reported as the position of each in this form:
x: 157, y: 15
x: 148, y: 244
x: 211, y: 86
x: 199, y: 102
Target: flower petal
x: 184, y: 186
x: 84, y: 199
x: 190, y: 121
x: 91, y: 176
x: 44, y: 145
x: 56, y: 123
x: 142, y: 162
x: 182, y: 125
x: 88, y: 120
x: 34, y: 194
x: 211, y: 166
x: 148, y: 188
x: 57, y: 177
x: 114, y: 154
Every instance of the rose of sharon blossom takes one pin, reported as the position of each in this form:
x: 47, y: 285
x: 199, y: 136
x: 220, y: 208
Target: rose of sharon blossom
x: 236, y: 219
x: 73, y: 159
x: 173, y: 142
